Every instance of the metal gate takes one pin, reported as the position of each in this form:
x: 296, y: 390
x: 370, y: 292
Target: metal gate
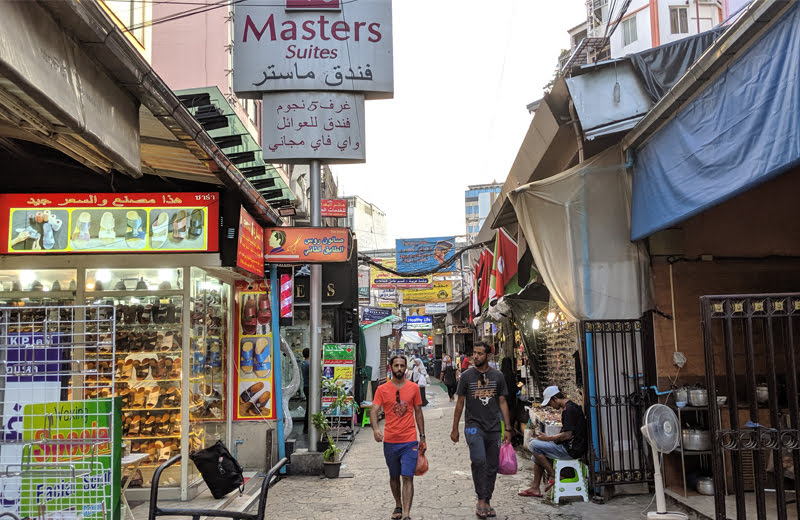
x: 751, y: 354
x: 59, y: 455
x: 618, y: 367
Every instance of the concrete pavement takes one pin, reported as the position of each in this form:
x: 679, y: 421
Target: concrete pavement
x: 445, y: 492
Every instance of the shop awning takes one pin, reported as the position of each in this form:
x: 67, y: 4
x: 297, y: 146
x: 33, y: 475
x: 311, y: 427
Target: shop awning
x: 742, y: 129
x: 577, y: 226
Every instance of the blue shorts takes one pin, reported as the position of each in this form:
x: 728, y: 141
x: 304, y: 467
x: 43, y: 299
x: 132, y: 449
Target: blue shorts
x: 549, y: 449
x: 401, y: 457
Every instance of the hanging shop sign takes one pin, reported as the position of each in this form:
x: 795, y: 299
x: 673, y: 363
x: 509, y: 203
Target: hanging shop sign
x: 108, y: 223
x: 254, y: 375
x: 295, y: 45
x: 298, y: 245
x: 371, y: 314
x: 380, y: 279
x: 420, y: 254
x: 250, y: 245
x: 334, y: 208
x: 313, y: 125
x: 441, y: 292
x: 338, y: 285
x: 419, y: 322
x: 338, y: 364
x: 84, y: 480
x: 436, y: 308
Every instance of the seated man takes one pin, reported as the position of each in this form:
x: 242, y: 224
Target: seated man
x: 568, y: 445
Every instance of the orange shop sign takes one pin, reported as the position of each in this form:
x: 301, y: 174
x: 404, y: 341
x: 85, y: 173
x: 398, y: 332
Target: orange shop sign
x: 304, y: 245
x: 250, y: 246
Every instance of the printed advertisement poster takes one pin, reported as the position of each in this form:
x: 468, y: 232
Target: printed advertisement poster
x: 250, y: 249
x: 338, y: 362
x: 108, y: 222
x: 441, y: 292
x: 419, y: 254
x: 254, y: 375
x: 89, y: 485
x: 306, y: 245
x: 380, y: 279
x: 371, y: 315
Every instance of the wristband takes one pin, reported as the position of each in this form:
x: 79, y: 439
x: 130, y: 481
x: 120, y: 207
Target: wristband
x: 422, y: 435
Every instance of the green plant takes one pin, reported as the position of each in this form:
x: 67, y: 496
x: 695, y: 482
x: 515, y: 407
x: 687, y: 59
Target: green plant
x: 341, y: 400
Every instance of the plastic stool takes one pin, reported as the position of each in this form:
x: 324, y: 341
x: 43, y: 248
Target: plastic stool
x: 366, y: 406
x: 573, y: 486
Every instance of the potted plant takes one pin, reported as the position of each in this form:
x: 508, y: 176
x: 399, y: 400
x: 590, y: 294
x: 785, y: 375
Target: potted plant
x: 341, y: 400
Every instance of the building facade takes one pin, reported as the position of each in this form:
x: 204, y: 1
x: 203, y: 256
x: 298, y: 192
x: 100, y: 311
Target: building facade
x: 478, y: 200
x: 369, y: 223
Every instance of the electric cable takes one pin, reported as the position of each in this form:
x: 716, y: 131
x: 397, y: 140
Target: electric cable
x: 365, y: 260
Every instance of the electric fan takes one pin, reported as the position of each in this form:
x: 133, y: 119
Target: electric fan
x: 663, y: 433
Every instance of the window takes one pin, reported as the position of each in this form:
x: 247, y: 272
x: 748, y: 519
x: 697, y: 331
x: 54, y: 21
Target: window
x: 678, y: 20
x: 629, y: 31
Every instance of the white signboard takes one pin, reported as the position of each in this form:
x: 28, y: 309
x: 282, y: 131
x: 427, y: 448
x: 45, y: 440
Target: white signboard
x: 436, y: 308
x: 313, y: 125
x: 280, y: 46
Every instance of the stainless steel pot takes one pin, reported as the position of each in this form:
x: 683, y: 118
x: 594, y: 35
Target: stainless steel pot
x: 762, y: 393
x: 705, y: 486
x: 681, y: 394
x: 698, y: 397
x: 696, y: 440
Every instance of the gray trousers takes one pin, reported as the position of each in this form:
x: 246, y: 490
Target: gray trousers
x: 484, y: 453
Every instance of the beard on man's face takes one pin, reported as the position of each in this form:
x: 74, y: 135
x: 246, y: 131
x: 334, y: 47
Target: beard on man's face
x: 399, y: 373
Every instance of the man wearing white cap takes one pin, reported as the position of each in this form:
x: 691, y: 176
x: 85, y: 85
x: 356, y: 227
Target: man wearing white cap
x: 567, y: 445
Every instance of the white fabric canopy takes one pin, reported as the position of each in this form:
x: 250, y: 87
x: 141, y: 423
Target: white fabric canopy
x: 411, y: 337
x: 577, y: 225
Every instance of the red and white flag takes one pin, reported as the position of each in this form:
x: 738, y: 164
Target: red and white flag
x: 505, y: 264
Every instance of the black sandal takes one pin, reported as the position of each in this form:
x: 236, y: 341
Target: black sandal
x: 397, y: 514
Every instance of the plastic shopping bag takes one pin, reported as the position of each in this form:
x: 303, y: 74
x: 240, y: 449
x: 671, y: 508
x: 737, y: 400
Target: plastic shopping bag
x: 422, y: 464
x: 508, y: 460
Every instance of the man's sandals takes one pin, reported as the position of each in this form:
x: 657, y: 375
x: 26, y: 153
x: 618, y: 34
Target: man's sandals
x: 397, y: 514
x: 485, y: 512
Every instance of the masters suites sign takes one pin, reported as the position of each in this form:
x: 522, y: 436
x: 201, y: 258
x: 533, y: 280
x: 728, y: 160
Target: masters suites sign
x: 313, y: 45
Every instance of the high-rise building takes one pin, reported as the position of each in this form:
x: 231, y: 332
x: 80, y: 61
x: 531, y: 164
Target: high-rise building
x: 368, y: 223
x: 478, y: 200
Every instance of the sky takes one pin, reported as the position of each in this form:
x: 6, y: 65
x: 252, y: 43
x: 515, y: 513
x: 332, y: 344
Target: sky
x: 464, y: 73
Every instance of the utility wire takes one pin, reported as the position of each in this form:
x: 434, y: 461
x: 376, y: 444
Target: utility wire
x: 365, y: 260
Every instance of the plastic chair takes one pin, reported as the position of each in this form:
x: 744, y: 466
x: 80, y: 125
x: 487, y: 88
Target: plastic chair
x: 571, y: 486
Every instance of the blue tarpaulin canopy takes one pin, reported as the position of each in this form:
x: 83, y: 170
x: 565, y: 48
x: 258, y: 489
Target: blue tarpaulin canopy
x: 742, y: 130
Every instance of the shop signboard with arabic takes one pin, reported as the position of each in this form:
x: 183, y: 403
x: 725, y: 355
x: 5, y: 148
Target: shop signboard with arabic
x: 108, y: 223
x: 420, y: 254
x: 419, y: 322
x: 293, y: 245
x: 441, y: 292
x: 320, y: 45
x: 380, y: 279
x: 250, y: 248
x: 338, y: 364
x: 436, y: 308
x: 371, y: 314
x: 313, y: 125
x: 334, y: 208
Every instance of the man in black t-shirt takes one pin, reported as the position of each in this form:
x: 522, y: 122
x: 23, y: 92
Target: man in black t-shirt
x: 483, y: 390
x: 568, y: 445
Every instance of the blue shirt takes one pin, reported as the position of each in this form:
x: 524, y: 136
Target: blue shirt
x: 304, y: 366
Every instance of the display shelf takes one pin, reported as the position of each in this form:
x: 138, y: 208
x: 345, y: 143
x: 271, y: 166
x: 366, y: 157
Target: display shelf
x: 133, y: 293
x: 151, y: 437
x: 162, y: 409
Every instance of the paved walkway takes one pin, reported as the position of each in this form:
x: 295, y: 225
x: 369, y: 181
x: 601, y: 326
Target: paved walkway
x: 445, y: 492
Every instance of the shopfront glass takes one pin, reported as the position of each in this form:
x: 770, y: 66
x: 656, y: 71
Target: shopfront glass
x: 297, y: 336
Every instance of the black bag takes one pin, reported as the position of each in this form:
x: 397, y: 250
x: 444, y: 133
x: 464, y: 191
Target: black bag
x: 221, y: 472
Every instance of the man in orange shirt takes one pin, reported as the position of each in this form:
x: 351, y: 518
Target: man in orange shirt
x: 400, y: 448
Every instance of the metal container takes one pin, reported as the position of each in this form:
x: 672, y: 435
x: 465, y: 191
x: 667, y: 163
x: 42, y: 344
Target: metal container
x: 705, y: 486
x: 762, y: 393
x: 681, y: 394
x: 698, y: 397
x: 722, y: 400
x: 696, y: 440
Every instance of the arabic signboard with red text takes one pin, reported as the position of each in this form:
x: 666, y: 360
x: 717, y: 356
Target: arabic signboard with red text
x: 334, y: 208
x: 316, y: 45
x: 297, y: 245
x: 250, y: 250
x: 108, y: 223
x: 313, y: 125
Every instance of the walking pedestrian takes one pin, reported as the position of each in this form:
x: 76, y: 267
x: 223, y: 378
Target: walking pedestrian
x: 483, y: 389
x: 304, y: 367
x: 398, y: 398
x: 420, y: 376
x: 449, y: 376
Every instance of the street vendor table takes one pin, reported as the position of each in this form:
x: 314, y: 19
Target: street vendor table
x: 132, y: 462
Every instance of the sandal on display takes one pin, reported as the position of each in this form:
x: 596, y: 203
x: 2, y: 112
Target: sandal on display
x: 135, y: 426
x: 248, y: 394
x: 149, y: 426
x: 160, y: 230
x: 261, y: 404
x: 176, y: 369
x: 263, y: 361
x: 138, y: 399
x: 134, y: 236
x: 152, y: 398
x: 106, y: 233
x: 146, y: 316
x: 246, y: 357
x: 48, y: 240
x: 164, y: 453
x: 82, y: 227
x: 179, y: 222
x: 196, y: 223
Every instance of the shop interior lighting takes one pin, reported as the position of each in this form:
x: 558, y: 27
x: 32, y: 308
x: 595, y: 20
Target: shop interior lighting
x: 103, y: 275
x: 551, y: 317
x: 26, y: 277
x: 89, y: 286
x: 164, y: 275
x: 536, y: 324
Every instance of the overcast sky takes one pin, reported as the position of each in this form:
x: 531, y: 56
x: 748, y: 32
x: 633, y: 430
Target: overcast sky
x: 464, y: 73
